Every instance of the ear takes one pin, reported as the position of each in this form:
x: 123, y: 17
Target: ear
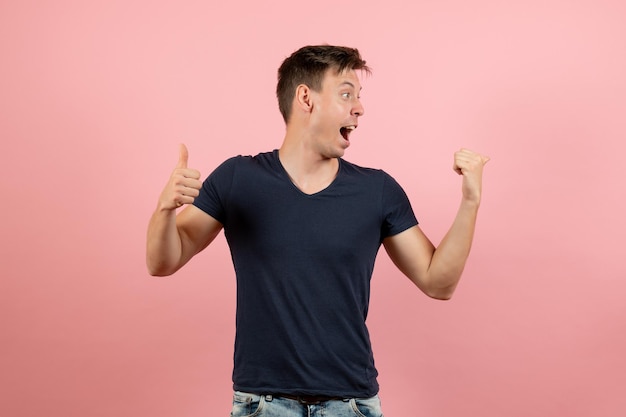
x: 303, y: 99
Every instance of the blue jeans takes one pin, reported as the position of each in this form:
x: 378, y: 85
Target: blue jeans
x: 252, y: 405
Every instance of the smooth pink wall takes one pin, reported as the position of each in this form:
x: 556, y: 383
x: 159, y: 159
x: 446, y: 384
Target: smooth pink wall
x: 96, y: 96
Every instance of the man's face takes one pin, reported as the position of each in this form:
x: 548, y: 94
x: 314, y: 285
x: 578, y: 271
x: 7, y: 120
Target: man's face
x: 335, y: 112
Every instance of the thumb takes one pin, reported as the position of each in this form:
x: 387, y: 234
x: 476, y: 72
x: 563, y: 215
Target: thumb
x: 183, y: 156
x: 485, y: 159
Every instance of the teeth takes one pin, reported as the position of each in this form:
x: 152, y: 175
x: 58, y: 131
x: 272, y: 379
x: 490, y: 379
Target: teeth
x: 350, y: 127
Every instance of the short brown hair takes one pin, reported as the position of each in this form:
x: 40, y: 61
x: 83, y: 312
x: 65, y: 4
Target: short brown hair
x: 308, y: 66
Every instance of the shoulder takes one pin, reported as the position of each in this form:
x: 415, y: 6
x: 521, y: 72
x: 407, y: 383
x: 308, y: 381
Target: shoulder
x: 373, y: 174
x: 354, y: 169
x: 246, y: 161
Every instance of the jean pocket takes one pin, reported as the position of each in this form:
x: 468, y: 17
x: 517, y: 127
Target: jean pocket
x: 246, y: 404
x: 367, y: 407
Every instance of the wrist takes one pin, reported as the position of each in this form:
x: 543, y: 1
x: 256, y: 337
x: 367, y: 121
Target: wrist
x: 165, y: 207
x: 470, y: 202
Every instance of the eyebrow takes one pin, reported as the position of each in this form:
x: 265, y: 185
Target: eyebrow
x: 350, y: 84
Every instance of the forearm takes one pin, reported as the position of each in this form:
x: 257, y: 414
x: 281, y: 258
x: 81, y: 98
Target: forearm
x: 451, y: 255
x: 437, y: 271
x: 163, y: 247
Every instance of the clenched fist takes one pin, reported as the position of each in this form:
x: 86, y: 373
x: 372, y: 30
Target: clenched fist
x: 183, y: 186
x: 470, y: 164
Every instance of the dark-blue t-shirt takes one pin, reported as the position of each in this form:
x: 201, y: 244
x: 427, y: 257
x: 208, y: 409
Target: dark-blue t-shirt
x: 303, y: 265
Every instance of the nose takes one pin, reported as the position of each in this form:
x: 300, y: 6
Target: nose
x: 358, y: 109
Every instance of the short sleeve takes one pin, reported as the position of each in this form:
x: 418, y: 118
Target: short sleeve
x: 397, y: 212
x: 213, y: 197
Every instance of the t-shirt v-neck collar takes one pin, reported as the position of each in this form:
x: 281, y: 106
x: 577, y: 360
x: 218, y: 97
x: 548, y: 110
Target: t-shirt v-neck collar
x: 287, y: 177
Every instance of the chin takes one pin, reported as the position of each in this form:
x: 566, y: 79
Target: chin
x: 340, y: 151
x: 336, y: 150
x: 334, y: 154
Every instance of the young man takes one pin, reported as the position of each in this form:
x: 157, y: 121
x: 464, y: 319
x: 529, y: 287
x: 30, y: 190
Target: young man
x: 304, y: 227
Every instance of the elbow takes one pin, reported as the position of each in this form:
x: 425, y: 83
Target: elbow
x: 436, y: 292
x: 157, y: 273
x: 442, y: 293
x: 156, y: 269
x: 442, y: 286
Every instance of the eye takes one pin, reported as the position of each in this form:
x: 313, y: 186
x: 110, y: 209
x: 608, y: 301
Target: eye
x: 346, y: 95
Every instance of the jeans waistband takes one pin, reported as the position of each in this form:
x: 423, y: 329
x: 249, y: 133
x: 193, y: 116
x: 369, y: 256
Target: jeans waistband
x: 308, y: 399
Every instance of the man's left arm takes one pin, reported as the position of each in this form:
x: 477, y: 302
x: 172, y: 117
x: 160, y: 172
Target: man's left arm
x: 437, y: 270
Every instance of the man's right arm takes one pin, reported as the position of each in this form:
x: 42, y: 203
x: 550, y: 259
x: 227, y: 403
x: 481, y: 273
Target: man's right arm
x: 174, y: 239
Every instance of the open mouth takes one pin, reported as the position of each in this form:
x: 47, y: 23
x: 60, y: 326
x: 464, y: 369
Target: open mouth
x: 346, y: 130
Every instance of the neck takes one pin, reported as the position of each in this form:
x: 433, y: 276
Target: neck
x: 309, y: 170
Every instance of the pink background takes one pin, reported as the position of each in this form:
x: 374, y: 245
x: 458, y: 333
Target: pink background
x: 96, y: 96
